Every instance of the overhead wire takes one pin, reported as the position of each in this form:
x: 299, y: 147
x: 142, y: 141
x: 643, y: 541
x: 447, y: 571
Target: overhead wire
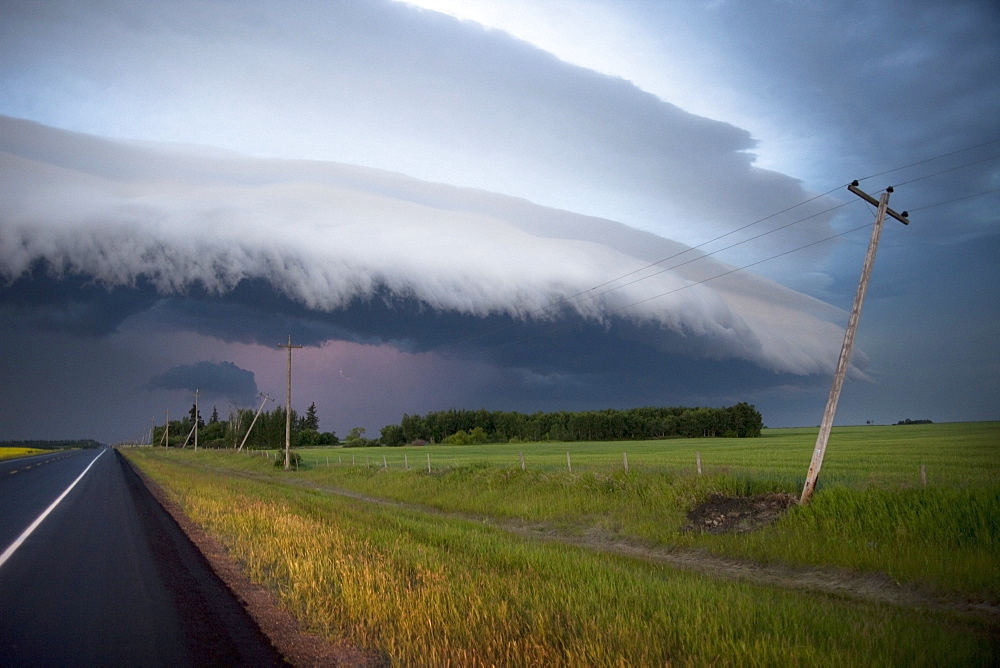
x: 926, y: 160
x: 588, y: 296
x: 957, y: 199
x: 585, y: 293
x: 694, y: 283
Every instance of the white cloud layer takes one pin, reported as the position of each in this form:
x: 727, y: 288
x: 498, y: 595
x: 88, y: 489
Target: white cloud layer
x: 386, y: 85
x: 324, y: 234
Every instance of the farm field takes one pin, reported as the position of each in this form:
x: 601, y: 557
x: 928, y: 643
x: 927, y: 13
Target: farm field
x: 482, y: 562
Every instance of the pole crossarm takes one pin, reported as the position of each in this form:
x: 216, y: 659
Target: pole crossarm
x: 904, y: 217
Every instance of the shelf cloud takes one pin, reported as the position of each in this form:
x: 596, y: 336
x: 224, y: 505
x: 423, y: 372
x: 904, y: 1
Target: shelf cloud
x: 163, y: 222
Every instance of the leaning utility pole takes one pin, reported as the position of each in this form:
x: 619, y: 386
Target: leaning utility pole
x: 852, y: 328
x: 288, y: 403
x: 254, y: 421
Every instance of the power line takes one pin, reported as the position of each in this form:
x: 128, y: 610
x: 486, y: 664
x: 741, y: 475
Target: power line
x: 957, y: 199
x: 592, y: 289
x: 582, y: 293
x: 692, y: 284
x: 951, y: 169
x: 937, y: 157
x: 725, y: 248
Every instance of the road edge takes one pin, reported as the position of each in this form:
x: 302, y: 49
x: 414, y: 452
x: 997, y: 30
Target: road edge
x: 297, y: 646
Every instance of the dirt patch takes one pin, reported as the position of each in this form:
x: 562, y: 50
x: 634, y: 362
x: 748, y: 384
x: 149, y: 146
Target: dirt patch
x: 726, y: 514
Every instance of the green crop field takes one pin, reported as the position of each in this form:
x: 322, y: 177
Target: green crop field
x: 581, y: 562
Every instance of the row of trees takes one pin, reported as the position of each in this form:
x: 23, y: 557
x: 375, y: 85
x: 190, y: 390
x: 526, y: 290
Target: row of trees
x: 462, y: 427
x: 465, y: 426
x: 267, y: 432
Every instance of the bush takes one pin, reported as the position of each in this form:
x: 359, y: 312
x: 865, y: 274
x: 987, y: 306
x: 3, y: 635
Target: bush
x: 294, y: 460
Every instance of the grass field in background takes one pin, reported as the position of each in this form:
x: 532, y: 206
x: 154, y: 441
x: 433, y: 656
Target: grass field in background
x: 955, y: 454
x: 428, y: 588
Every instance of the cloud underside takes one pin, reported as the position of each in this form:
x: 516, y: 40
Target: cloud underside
x: 239, y: 247
x: 212, y: 379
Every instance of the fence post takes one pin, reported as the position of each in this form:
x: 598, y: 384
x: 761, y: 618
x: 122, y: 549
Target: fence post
x: 698, y: 459
x: 923, y: 474
x: 522, y: 461
x: 625, y: 459
x: 569, y: 464
x: 385, y: 464
x: 428, y: 462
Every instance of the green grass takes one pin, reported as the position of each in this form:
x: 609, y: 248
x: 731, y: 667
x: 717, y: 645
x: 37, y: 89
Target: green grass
x: 956, y: 454
x: 429, y: 588
x: 871, y: 511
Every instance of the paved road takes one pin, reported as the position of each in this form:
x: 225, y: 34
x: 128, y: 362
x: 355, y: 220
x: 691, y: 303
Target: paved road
x: 108, y: 578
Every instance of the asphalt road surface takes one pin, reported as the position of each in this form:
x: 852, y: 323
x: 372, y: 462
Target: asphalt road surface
x: 107, y: 578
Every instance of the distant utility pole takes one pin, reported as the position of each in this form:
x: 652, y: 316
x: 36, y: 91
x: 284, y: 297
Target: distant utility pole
x: 288, y: 403
x: 254, y: 421
x: 852, y: 328
x: 166, y: 431
x: 196, y: 420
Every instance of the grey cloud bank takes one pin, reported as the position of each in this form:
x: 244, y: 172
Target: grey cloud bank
x: 326, y: 236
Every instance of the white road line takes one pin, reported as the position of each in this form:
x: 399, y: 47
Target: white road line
x: 34, y: 525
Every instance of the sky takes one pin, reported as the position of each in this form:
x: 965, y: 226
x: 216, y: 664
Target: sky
x: 519, y: 205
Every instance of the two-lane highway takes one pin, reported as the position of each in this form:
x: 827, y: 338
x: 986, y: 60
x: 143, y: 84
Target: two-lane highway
x: 107, y: 577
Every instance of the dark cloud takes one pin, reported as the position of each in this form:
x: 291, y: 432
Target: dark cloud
x: 347, y: 243
x: 223, y: 380
x: 46, y: 298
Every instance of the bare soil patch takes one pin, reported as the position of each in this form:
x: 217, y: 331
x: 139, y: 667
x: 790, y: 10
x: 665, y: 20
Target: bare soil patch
x: 727, y: 514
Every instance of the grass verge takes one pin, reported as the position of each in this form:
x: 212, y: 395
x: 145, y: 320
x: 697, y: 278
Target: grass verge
x: 430, y: 590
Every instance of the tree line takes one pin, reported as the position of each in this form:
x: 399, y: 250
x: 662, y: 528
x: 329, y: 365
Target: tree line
x: 482, y: 426
x: 268, y: 430
x: 463, y: 427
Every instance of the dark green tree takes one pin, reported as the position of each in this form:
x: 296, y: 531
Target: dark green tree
x: 392, y: 435
x: 192, y: 416
x: 310, y: 421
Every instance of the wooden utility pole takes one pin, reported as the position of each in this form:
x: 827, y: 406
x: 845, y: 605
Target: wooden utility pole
x: 166, y: 431
x: 852, y: 328
x: 288, y: 404
x: 196, y: 393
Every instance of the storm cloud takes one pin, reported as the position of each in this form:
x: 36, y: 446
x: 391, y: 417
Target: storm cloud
x: 524, y: 206
x: 218, y: 380
x: 328, y: 236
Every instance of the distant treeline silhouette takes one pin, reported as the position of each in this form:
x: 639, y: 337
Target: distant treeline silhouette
x: 739, y: 421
